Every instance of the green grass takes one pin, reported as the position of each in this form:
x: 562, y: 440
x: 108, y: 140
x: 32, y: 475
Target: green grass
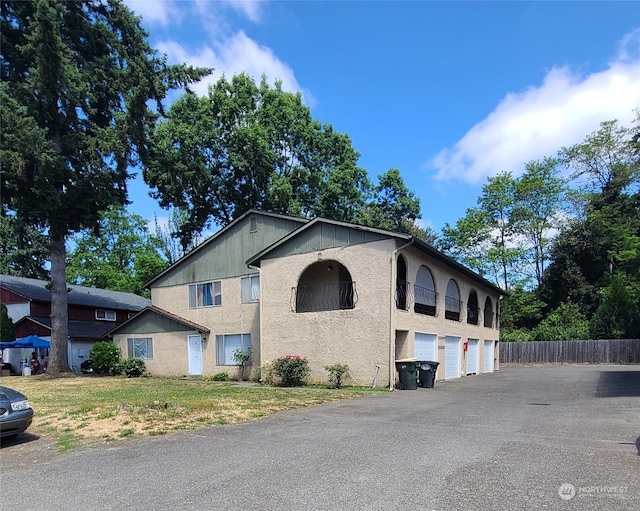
x: 78, y: 409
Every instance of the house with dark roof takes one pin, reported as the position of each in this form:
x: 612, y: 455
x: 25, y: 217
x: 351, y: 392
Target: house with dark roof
x: 92, y: 312
x: 330, y: 291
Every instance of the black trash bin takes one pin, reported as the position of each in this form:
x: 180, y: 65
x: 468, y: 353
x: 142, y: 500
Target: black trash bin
x: 407, y: 372
x: 427, y: 373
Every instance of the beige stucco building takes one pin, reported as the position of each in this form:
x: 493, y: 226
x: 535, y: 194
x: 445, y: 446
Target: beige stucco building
x: 326, y: 290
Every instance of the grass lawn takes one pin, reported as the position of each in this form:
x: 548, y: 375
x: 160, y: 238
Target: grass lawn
x: 76, y: 410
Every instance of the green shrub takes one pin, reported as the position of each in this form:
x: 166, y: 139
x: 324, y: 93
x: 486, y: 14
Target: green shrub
x: 564, y: 323
x: 266, y: 374
x: 516, y: 335
x: 242, y: 359
x: 133, y: 367
x: 338, y: 373
x: 292, y: 370
x: 104, y: 357
x: 222, y: 376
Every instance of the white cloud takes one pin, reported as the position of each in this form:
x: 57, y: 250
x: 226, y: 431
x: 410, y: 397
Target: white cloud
x: 231, y: 56
x: 252, y: 9
x: 424, y: 223
x: 154, y: 11
x: 537, y: 122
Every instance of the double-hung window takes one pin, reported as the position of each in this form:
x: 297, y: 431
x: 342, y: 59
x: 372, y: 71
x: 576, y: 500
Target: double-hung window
x: 104, y: 315
x: 140, y: 347
x: 250, y: 289
x: 207, y: 294
x: 226, y: 345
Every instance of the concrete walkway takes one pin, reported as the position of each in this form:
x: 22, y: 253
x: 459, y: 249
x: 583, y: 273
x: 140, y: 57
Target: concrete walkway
x: 553, y: 437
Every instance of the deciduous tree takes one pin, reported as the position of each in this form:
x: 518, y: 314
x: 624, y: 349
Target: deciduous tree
x: 539, y: 198
x: 120, y: 255
x: 251, y: 145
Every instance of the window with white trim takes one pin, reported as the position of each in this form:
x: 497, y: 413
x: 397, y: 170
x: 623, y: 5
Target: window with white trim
x: 104, y: 315
x: 207, y: 294
x: 140, y: 347
x: 227, y: 344
x: 250, y: 289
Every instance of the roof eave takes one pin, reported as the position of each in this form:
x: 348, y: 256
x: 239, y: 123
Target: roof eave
x: 216, y: 235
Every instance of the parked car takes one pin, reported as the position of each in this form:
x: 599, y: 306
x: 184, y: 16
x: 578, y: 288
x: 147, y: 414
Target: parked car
x: 16, y: 413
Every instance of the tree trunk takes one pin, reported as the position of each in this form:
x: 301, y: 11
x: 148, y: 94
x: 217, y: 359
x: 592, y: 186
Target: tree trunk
x: 58, y: 359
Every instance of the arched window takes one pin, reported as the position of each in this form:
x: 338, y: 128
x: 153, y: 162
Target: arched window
x: 473, y: 311
x: 424, y: 292
x: 488, y: 313
x: 323, y: 286
x: 401, y: 283
x: 452, y: 303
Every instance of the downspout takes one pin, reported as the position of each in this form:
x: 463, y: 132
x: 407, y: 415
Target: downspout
x: 392, y: 326
x: 260, y: 316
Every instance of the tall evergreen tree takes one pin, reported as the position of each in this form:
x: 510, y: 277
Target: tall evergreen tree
x: 24, y: 249
x: 81, y: 91
x: 7, y: 329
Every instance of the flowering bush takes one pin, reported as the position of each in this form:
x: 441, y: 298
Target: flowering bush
x: 292, y: 370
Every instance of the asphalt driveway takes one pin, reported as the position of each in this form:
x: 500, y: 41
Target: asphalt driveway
x: 553, y: 437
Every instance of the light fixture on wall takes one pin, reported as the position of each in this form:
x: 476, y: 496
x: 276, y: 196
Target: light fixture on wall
x: 319, y: 256
x: 329, y: 268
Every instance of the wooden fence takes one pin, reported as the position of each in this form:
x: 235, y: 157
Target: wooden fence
x: 600, y: 351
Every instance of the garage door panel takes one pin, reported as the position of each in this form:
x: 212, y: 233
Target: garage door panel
x: 452, y: 357
x: 426, y: 346
x: 488, y: 357
x: 472, y: 356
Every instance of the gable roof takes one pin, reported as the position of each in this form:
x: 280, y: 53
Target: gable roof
x: 153, y: 310
x: 217, y: 236
x: 38, y: 290
x: 366, y: 234
x: 374, y: 233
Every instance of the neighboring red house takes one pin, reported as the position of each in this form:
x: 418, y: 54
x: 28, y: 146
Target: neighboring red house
x: 92, y: 312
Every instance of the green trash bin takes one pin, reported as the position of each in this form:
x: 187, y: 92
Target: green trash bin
x: 408, y: 375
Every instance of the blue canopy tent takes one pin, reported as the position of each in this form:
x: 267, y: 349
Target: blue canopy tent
x: 31, y: 341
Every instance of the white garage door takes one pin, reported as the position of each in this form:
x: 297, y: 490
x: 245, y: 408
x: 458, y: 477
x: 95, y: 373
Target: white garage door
x: 452, y: 357
x: 488, y: 356
x: 426, y: 346
x: 472, y: 357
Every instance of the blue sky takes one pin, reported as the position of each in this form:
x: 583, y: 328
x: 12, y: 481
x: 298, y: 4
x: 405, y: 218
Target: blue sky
x: 447, y: 92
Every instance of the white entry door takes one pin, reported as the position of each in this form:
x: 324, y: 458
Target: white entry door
x: 452, y: 357
x: 488, y: 356
x: 426, y: 347
x: 472, y: 356
x: 195, y: 355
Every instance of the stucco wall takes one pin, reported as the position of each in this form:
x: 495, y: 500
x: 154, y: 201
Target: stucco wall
x: 374, y: 333
x: 408, y: 323
x: 232, y: 317
x: 358, y: 337
x: 169, y: 352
